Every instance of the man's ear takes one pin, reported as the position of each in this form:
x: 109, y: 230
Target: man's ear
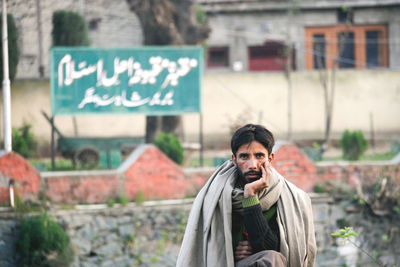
x: 233, y: 160
x: 271, y: 157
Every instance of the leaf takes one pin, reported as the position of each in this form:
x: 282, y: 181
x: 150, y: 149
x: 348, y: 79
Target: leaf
x: 353, y: 234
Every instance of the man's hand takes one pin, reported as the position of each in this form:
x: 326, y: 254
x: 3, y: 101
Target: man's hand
x: 243, y: 250
x: 252, y: 188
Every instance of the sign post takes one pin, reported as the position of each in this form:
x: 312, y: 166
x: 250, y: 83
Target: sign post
x: 152, y: 81
x: 149, y: 80
x: 6, y: 85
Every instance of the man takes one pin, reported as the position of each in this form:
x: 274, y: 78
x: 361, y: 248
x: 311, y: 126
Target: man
x: 247, y: 214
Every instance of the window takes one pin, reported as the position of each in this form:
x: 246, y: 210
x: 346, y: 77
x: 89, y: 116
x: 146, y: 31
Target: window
x: 218, y: 57
x: 319, y: 45
x: 346, y: 50
x: 357, y: 46
x: 94, y: 24
x: 270, y: 56
x: 372, y: 51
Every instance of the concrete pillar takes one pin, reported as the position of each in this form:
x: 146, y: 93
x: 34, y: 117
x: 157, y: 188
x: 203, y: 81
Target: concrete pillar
x: 238, y: 50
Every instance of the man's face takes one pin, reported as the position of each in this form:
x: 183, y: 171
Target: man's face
x: 249, y: 158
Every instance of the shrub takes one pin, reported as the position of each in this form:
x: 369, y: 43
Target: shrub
x: 353, y: 145
x: 69, y: 29
x: 171, y: 146
x: 123, y: 200
x: 139, y: 198
x: 23, y: 141
x: 42, y: 242
x: 13, y: 51
x: 201, y: 16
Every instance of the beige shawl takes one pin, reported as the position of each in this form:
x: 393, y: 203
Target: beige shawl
x: 208, y: 239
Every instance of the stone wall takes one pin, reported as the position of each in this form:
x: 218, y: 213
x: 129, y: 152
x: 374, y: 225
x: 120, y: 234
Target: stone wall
x: 150, y: 234
x: 145, y: 235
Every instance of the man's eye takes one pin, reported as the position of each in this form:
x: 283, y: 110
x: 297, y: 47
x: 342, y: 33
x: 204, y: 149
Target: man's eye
x: 260, y: 156
x: 244, y: 156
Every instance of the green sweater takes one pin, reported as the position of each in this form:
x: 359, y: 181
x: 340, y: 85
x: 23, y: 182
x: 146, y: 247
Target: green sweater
x: 260, y: 228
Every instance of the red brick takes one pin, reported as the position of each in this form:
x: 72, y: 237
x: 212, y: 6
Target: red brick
x: 13, y: 166
x: 165, y: 179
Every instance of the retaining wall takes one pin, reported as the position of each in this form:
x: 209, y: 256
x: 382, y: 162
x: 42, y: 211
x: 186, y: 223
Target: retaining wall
x: 150, y: 234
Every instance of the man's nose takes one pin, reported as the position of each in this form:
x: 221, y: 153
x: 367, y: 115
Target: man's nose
x: 252, y: 164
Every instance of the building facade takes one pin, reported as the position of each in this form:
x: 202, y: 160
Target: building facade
x: 247, y: 52
x: 261, y: 35
x: 110, y: 23
x: 247, y: 35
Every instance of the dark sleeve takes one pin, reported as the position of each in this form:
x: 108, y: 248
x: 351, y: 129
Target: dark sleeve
x: 262, y: 235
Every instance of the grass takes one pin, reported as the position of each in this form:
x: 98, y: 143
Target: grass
x: 195, y: 162
x: 45, y: 164
x: 207, y: 161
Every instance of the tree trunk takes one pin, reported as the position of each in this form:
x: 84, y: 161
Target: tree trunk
x: 172, y: 124
x: 168, y: 22
x: 152, y: 128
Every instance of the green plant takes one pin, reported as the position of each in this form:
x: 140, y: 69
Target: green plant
x: 346, y: 233
x: 353, y: 144
x: 171, y: 146
x: 20, y: 206
x: 162, y: 243
x: 13, y: 50
x: 69, y: 29
x: 130, y: 240
x: 123, y: 200
x: 110, y: 203
x: 201, y: 16
x: 139, y: 198
x: 42, y: 242
x: 319, y: 188
x: 23, y: 141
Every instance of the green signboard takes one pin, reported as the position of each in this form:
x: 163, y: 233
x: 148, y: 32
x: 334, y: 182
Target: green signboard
x: 145, y: 80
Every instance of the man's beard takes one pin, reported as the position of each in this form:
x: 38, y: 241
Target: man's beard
x: 242, y: 176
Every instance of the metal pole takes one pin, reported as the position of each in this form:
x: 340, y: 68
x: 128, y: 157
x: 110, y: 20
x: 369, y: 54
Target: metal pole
x: 201, y: 140
x: 11, y: 188
x: 40, y: 38
x: 6, y: 85
x: 53, y: 149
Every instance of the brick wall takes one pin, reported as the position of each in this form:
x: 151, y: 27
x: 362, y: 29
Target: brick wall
x: 155, y: 175
x: 149, y: 171
x: 80, y: 187
x: 146, y: 170
x: 26, y: 177
x: 355, y: 172
x: 295, y: 166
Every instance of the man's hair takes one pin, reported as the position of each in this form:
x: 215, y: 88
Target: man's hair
x: 250, y: 133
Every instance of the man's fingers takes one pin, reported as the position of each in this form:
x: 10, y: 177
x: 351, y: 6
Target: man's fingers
x: 265, y: 173
x: 243, y: 250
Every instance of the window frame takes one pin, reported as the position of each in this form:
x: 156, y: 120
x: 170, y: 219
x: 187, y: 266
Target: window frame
x: 224, y: 49
x: 331, y: 49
